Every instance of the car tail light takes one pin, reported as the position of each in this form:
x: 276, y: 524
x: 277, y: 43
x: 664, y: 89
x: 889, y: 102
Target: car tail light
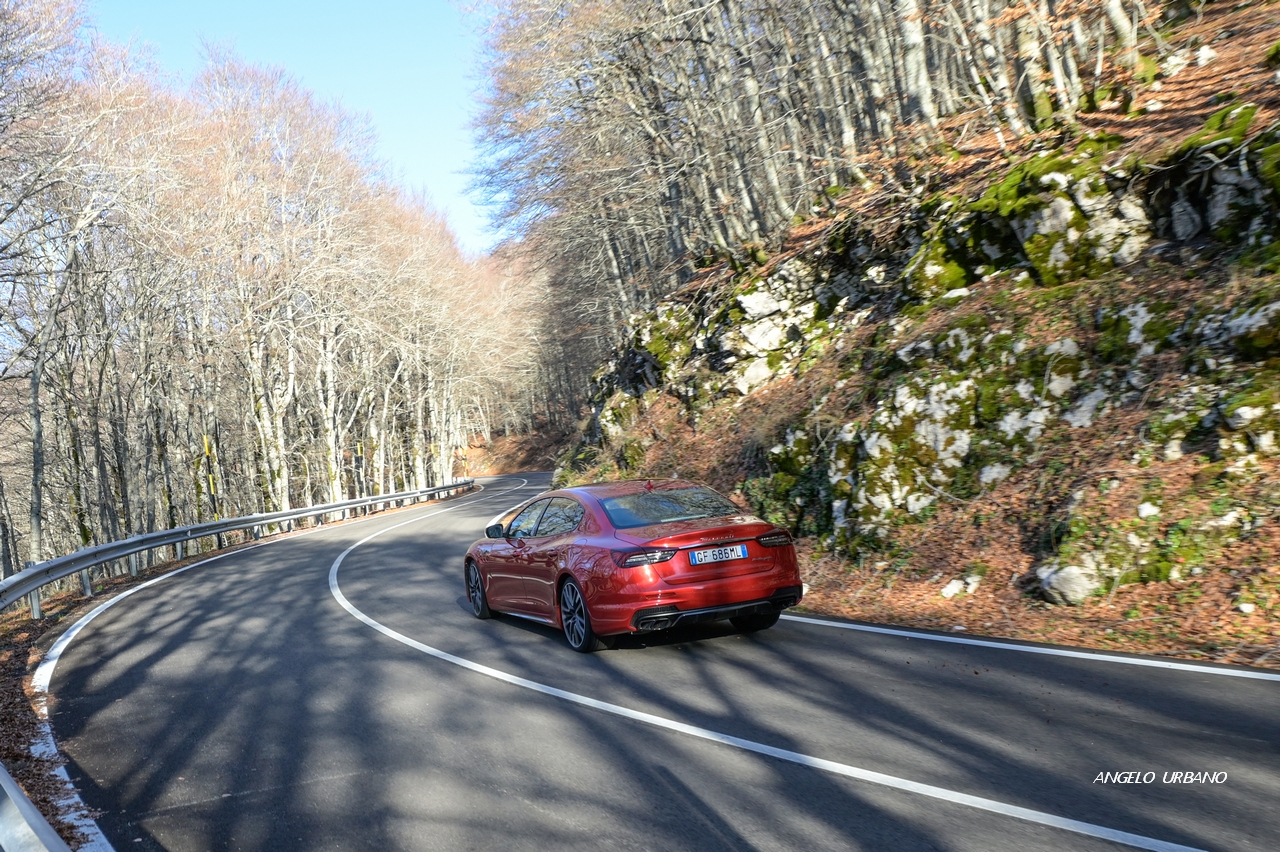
x: 632, y: 558
x: 775, y: 539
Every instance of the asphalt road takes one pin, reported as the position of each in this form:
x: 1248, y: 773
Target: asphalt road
x: 333, y: 691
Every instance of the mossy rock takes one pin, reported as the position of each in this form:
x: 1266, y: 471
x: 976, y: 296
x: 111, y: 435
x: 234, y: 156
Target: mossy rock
x: 1034, y: 207
x: 1225, y: 128
x: 995, y: 397
x: 934, y: 271
x: 1020, y: 187
x: 1269, y: 165
x: 669, y: 342
x: 573, y: 461
x: 1116, y: 330
x: 1263, y: 341
x: 630, y: 456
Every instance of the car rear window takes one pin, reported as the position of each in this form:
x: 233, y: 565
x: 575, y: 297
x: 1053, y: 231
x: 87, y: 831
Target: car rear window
x: 664, y: 506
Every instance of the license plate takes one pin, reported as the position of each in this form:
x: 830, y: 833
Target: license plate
x: 718, y: 554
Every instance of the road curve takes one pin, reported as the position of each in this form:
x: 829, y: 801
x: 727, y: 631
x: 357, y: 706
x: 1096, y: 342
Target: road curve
x: 332, y: 691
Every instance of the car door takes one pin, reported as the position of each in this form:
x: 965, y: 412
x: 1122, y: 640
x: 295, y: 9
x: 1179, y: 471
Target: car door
x: 547, y: 552
x: 507, y: 559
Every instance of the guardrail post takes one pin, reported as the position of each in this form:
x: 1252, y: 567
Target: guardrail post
x: 177, y: 550
x: 133, y: 564
x: 86, y: 583
x: 33, y: 597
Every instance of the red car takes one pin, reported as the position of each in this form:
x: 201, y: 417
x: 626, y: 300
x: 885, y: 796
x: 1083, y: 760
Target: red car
x: 632, y: 557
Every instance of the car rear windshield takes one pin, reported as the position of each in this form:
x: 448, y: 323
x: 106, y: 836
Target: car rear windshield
x: 664, y: 506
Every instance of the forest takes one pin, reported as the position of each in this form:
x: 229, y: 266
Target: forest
x: 638, y: 142
x: 217, y: 302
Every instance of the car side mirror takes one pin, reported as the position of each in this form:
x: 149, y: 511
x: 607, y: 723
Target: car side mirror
x: 493, y: 531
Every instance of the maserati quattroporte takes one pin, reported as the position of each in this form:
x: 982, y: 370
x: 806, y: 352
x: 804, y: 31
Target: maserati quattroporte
x: 632, y: 557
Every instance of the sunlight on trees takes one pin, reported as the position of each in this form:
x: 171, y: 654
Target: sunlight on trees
x: 630, y: 140
x: 216, y: 304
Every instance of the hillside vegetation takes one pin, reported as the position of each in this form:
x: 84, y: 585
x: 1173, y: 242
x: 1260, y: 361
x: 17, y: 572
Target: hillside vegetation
x: 1028, y: 381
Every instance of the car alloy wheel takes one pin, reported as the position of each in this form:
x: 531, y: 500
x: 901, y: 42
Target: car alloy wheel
x: 575, y: 619
x: 475, y: 592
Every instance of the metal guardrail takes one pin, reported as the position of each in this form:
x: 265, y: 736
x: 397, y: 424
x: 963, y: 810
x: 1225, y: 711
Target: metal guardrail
x: 29, y: 580
x: 22, y: 827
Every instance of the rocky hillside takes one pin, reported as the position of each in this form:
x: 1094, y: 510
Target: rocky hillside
x: 1059, y: 369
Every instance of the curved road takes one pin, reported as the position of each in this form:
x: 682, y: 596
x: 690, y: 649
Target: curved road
x: 332, y: 691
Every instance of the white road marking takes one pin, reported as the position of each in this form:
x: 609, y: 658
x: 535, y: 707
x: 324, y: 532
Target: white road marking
x: 46, y: 747
x: 1137, y: 841
x: 1033, y: 649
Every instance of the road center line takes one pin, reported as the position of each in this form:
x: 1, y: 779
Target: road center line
x: 1137, y: 841
x: 1034, y: 649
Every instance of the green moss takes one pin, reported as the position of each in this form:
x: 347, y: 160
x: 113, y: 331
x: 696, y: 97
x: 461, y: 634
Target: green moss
x: 934, y: 270
x: 1228, y: 127
x: 1264, y: 260
x: 1113, y: 338
x: 1261, y: 342
x: 797, y: 497
x: 1019, y: 190
x: 630, y: 456
x: 1272, y: 57
x: 1269, y: 165
x: 1146, y: 69
x: 1166, y: 428
x: 994, y: 394
x: 574, y: 461
x: 1263, y: 391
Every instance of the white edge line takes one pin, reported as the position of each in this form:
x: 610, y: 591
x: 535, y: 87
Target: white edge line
x: 1034, y: 649
x: 46, y: 747
x: 1102, y: 832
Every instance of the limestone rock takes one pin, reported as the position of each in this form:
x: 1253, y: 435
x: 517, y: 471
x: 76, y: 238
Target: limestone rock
x: 1186, y: 221
x: 1082, y: 414
x: 993, y: 473
x: 760, y: 304
x: 1244, y: 415
x: 756, y: 374
x: 1070, y: 584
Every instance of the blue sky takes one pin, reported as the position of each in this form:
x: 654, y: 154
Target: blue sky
x: 411, y: 66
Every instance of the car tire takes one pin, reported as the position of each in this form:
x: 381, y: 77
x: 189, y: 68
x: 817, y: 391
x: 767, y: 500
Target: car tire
x: 754, y: 623
x: 576, y: 621
x: 475, y: 591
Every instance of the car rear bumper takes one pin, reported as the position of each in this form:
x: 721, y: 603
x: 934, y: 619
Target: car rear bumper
x: 669, y: 615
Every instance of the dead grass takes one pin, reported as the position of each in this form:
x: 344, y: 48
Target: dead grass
x: 513, y: 453
x: 1192, y: 619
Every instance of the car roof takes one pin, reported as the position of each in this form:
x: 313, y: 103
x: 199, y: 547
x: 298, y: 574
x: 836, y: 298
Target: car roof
x: 603, y: 490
